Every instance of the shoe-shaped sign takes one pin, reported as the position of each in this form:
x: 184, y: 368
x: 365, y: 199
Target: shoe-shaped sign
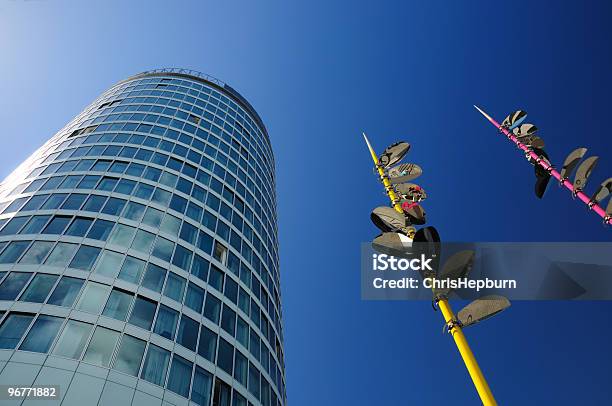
x: 404, y: 173
x: 481, y: 309
x: 393, y: 153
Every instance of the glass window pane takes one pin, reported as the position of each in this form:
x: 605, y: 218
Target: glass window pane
x: 12, y: 285
x: 13, y: 251
x: 72, y: 340
x: 228, y: 320
x: 107, y: 184
x: 144, y: 191
x: 225, y: 358
x: 39, y: 288
x: 142, y: 313
x: 182, y: 258
x: 189, y: 233
x: 122, y: 235
x: 134, y: 211
x: 171, y: 225
x: 70, y: 182
x: 212, y: 308
x: 57, y: 225
x: 66, y: 291
x: 153, y: 217
x: 254, y: 377
x: 94, y: 203
x: 143, y: 241
x: 242, y: 332
x: 118, y: 304
x: 222, y: 393
x: 37, y: 252
x: 35, y: 202
x: 175, y: 286
x: 109, y: 264
x: 79, y: 227
x: 75, y: 200
x: 163, y: 249
x: 215, y: 278
x: 154, y: 277
x: 205, y: 242
x: 129, y: 355
x: 113, y: 206
x: 54, y: 201
x: 161, y: 197
x: 85, y: 258
x: 187, y: 334
x: 41, y: 335
x: 207, y: 346
x: 125, y: 186
x: 179, y: 379
x: 156, y: 365
x: 231, y: 290
x: 132, y: 269
x: 199, y: 267
x: 194, y: 298
x: 14, y: 225
x: 241, y: 367
x: 202, y: 385
x: 100, y: 230
x: 61, y: 254
x: 35, y: 225
x: 13, y: 328
x: 239, y: 400
x: 101, y: 346
x: 165, y: 324
x: 93, y: 297
x: 254, y: 344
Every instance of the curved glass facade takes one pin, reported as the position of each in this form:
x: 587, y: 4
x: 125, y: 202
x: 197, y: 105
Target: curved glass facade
x: 138, y: 252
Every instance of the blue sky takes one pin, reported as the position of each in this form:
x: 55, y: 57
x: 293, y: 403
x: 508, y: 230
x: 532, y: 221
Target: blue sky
x: 319, y: 73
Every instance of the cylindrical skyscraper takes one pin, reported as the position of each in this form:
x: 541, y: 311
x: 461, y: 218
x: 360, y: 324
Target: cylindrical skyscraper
x: 139, y: 253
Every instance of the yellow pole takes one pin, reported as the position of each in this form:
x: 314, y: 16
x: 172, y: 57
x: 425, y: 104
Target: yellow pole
x: 464, y: 349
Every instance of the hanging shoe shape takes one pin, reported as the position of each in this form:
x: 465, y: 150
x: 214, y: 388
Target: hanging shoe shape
x: 514, y: 120
x: 414, y: 212
x: 542, y: 175
x: 404, y: 173
x: 396, y: 244
x: 388, y: 219
x: 481, y: 309
x: 393, y: 154
x: 571, y: 162
x: 525, y: 130
x: 411, y: 192
x: 603, y: 191
x: 458, y: 266
x: 583, y: 172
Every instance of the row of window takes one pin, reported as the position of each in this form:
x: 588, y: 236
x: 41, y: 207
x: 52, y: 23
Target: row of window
x: 217, y: 151
x: 128, y: 354
x: 166, y: 125
x: 194, y: 120
x: 195, y: 95
x: 153, y: 174
x: 122, y: 305
x: 234, y: 212
x: 172, y: 180
x: 131, y: 269
x: 124, y: 235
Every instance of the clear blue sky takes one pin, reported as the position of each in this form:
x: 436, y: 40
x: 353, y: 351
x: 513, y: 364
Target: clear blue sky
x: 318, y: 73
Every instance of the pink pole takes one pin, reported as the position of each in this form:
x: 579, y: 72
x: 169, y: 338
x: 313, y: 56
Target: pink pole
x: 584, y: 198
